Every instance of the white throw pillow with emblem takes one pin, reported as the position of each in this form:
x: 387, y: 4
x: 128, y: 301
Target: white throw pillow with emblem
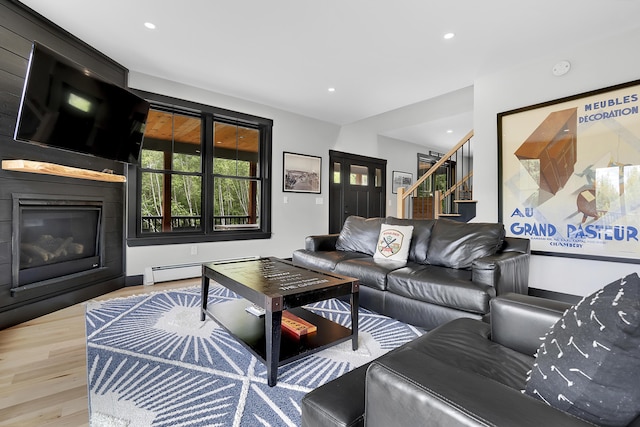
x: 394, y: 242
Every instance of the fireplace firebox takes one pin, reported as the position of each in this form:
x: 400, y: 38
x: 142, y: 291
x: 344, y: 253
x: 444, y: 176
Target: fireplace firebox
x: 54, y: 238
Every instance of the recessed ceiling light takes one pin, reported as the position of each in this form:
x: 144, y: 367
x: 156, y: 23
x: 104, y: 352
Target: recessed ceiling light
x: 150, y: 25
x: 332, y: 89
x: 449, y: 36
x: 449, y: 131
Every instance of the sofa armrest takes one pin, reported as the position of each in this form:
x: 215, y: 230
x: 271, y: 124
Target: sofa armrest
x: 505, y: 271
x: 322, y: 242
x: 413, y: 389
x: 519, y: 321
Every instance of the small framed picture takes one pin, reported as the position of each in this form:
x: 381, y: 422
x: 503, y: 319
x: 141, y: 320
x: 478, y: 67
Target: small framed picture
x: 400, y: 179
x: 301, y: 173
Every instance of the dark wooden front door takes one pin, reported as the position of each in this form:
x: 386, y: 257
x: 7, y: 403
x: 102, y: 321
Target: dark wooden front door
x: 357, y: 186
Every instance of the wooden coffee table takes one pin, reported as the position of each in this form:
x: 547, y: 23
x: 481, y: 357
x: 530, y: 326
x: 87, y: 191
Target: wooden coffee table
x: 277, y: 285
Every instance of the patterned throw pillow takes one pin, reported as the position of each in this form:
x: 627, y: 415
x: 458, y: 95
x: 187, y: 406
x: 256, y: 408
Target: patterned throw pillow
x: 589, y: 363
x: 394, y: 242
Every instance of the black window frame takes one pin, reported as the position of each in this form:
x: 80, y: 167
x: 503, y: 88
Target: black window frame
x: 209, y: 114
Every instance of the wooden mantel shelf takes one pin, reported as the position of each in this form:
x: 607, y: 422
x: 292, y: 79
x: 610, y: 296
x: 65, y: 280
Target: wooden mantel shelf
x: 59, y: 170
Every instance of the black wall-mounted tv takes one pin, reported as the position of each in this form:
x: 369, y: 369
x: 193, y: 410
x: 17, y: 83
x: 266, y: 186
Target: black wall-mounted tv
x: 67, y: 106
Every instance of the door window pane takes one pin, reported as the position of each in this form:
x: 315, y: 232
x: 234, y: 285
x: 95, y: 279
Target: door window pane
x: 359, y: 175
x: 378, y: 178
x: 336, y: 172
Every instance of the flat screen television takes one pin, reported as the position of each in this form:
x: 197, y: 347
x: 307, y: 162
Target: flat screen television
x: 67, y: 106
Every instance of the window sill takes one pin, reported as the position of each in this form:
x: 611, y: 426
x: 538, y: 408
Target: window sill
x: 178, y: 238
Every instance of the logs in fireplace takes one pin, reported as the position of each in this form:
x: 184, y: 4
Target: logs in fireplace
x: 48, y: 249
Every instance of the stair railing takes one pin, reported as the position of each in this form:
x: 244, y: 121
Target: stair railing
x: 403, y: 196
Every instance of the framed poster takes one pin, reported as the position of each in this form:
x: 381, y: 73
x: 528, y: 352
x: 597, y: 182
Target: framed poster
x: 569, y: 174
x: 301, y: 173
x: 400, y: 179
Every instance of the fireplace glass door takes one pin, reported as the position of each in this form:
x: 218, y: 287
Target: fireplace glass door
x: 57, y: 240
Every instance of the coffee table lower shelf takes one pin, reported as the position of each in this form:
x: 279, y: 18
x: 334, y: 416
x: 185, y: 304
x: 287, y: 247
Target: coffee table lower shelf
x: 249, y: 330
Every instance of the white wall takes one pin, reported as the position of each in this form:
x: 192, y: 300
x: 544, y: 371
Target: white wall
x: 401, y: 156
x: 594, y: 66
x: 291, y: 222
x: 364, y: 137
x: 300, y: 216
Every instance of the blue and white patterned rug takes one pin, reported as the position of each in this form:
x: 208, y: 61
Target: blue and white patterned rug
x: 152, y: 362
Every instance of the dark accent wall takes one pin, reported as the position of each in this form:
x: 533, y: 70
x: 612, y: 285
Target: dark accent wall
x: 19, y: 27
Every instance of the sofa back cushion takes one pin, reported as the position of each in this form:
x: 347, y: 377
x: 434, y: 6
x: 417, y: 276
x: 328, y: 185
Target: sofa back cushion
x: 457, y: 244
x: 421, y: 236
x: 359, y: 234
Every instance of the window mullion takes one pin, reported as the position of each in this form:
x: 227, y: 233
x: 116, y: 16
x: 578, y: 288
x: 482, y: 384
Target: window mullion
x: 207, y: 173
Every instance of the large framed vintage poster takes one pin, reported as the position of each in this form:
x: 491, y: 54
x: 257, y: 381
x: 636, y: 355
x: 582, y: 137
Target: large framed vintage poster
x: 569, y: 177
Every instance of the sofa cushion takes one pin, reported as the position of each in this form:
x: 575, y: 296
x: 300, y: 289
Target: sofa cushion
x: 394, y: 242
x: 465, y: 344
x: 370, y: 271
x: 589, y: 362
x: 442, y: 286
x: 359, y: 235
x: 322, y: 260
x: 421, y: 235
x: 456, y: 244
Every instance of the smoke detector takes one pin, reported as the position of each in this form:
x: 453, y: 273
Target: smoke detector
x: 561, y: 68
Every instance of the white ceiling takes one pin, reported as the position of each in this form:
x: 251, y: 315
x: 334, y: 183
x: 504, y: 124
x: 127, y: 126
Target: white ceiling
x: 379, y: 55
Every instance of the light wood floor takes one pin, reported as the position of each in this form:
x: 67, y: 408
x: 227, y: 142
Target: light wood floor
x: 43, y: 365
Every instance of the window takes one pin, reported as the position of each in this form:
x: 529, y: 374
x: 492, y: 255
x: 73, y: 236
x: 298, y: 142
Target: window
x: 236, y: 175
x: 203, y: 175
x: 171, y: 185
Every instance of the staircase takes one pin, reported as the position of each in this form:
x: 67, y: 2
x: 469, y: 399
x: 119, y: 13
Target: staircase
x: 431, y: 199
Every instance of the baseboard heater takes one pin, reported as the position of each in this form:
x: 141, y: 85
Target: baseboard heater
x: 168, y: 273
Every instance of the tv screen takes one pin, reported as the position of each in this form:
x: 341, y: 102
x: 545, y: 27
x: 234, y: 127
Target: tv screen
x: 67, y: 106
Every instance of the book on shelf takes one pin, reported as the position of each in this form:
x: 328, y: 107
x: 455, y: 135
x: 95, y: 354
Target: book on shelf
x: 296, y: 325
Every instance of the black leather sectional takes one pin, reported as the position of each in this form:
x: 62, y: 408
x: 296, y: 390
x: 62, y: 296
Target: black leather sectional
x: 464, y: 373
x: 453, y: 270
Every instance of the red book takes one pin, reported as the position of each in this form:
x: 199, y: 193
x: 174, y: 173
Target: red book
x: 296, y: 325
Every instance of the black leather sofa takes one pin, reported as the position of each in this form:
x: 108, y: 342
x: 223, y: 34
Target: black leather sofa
x: 453, y: 270
x: 464, y: 373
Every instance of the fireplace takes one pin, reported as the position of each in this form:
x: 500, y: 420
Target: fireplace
x: 54, y: 238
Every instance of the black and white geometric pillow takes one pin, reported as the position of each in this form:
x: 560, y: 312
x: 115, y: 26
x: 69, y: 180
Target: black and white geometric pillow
x: 589, y: 362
